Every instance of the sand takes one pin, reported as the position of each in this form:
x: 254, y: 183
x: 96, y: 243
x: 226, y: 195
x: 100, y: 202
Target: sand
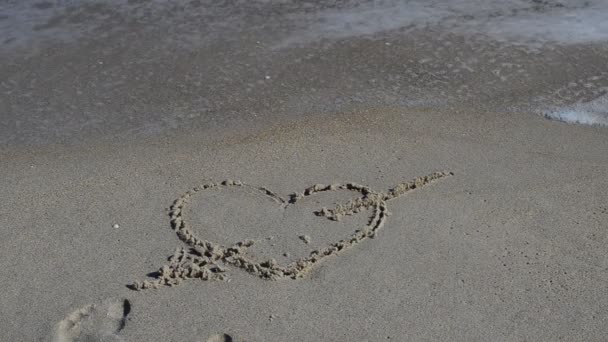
x: 511, y: 247
x: 261, y: 173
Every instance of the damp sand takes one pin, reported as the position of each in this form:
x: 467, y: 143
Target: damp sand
x: 510, y: 247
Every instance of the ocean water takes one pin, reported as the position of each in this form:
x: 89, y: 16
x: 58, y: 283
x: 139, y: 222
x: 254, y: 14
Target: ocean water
x: 594, y: 112
x: 530, y: 23
x: 30, y: 23
x: 519, y: 21
x: 72, y: 69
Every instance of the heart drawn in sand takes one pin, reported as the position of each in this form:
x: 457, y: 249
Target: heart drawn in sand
x: 202, y: 259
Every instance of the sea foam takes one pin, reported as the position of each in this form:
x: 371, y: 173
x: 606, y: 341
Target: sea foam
x: 594, y: 112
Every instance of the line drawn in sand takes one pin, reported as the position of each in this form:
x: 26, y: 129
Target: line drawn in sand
x: 202, y: 259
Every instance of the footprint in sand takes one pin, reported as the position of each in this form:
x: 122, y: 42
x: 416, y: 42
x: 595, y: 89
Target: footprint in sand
x: 94, y: 322
x: 220, y: 338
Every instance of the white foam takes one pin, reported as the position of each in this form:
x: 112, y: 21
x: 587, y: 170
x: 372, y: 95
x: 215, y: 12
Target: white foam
x: 594, y: 112
x: 568, y: 26
x: 520, y: 21
x: 24, y: 24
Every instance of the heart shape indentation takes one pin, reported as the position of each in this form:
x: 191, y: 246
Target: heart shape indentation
x: 202, y: 257
x: 282, y: 231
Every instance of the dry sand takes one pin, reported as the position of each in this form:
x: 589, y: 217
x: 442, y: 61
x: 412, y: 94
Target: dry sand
x: 512, y: 247
x: 122, y: 120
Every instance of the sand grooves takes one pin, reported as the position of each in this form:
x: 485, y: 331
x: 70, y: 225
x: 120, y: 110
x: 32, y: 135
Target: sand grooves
x: 202, y: 259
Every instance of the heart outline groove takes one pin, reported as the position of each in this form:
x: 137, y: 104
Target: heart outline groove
x: 201, y: 259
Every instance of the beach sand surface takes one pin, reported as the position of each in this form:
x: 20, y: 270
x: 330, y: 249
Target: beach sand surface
x: 511, y: 247
x: 115, y: 115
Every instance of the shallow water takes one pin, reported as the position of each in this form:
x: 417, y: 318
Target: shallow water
x: 110, y: 70
x: 594, y: 112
